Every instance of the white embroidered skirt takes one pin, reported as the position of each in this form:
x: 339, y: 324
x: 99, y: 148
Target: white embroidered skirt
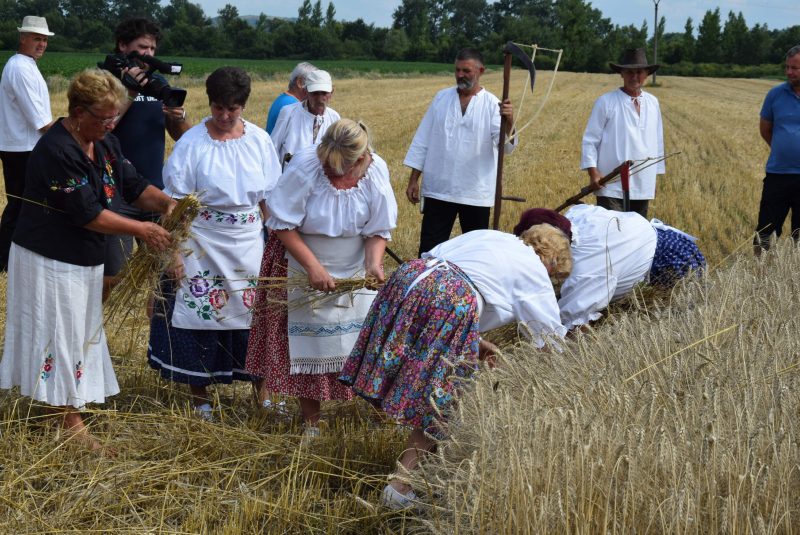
x: 220, y: 285
x: 320, y: 340
x: 55, y: 346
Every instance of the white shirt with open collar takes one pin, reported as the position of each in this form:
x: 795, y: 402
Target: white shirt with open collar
x: 615, y: 133
x: 457, y: 153
x: 24, y: 104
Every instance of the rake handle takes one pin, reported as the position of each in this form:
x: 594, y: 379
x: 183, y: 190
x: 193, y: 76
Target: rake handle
x: 626, y: 187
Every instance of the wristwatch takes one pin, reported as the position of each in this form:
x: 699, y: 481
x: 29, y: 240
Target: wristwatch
x: 182, y: 118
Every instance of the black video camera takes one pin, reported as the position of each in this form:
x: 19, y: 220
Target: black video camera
x: 172, y: 97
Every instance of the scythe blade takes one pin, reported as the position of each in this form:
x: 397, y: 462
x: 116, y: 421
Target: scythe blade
x: 517, y: 52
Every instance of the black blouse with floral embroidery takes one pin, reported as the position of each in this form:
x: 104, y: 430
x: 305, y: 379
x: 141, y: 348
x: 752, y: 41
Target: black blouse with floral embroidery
x: 74, y: 190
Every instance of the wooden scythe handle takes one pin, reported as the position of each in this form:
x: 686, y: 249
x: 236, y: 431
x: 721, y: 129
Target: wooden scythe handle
x: 586, y: 190
x: 498, y: 193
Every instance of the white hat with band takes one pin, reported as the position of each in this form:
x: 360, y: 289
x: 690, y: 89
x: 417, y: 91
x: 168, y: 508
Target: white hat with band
x: 31, y: 24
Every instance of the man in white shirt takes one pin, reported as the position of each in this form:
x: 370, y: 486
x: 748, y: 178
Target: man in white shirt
x: 455, y: 149
x: 302, y: 124
x: 625, y: 125
x: 24, y: 117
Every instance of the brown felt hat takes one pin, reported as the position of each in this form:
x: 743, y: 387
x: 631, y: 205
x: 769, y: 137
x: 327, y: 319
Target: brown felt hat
x: 634, y: 58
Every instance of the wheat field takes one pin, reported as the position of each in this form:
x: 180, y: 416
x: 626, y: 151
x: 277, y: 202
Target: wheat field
x: 706, y: 441
x: 682, y: 418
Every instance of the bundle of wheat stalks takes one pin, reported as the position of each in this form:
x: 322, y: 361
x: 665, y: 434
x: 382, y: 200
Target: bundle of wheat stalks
x: 298, y: 281
x: 142, y: 271
x: 505, y: 336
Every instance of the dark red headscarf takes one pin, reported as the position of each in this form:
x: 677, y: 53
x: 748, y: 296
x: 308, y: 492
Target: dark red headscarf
x: 537, y: 216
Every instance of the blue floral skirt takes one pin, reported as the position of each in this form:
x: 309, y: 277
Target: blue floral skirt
x: 416, y: 347
x: 191, y: 356
x: 676, y: 256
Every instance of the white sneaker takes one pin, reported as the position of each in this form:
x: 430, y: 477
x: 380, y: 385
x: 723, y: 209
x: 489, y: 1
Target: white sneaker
x: 205, y: 412
x: 394, y: 500
x: 268, y: 405
x: 310, y: 432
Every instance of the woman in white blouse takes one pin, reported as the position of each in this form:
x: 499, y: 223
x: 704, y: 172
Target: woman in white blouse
x: 612, y: 252
x: 333, y: 210
x: 423, y: 328
x: 200, y: 331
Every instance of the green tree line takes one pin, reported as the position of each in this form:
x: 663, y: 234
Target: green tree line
x: 423, y: 30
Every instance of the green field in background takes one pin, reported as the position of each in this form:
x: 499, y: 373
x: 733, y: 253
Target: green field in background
x: 67, y: 64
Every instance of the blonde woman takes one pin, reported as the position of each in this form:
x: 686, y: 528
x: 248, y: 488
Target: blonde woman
x: 422, y: 332
x: 332, y: 210
x: 55, y: 346
x: 613, y: 252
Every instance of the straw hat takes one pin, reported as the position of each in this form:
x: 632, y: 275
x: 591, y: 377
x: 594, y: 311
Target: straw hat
x: 32, y: 24
x: 634, y: 58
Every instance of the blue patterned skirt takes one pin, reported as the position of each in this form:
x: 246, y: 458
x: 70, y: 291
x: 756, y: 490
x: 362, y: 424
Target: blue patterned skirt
x: 676, y: 256
x: 191, y: 356
x: 417, y: 346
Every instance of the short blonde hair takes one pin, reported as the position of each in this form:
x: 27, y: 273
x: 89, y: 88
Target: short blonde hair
x: 94, y: 87
x: 552, y: 246
x: 343, y: 144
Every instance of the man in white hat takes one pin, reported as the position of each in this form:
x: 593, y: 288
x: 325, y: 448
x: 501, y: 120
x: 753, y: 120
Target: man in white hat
x: 303, y: 123
x: 24, y: 117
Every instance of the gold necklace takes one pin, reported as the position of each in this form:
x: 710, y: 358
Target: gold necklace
x: 75, y: 136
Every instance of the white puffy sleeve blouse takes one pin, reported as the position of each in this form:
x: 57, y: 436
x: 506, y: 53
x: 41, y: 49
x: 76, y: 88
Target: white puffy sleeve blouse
x: 511, y: 278
x: 236, y: 174
x: 304, y: 199
x: 611, y: 253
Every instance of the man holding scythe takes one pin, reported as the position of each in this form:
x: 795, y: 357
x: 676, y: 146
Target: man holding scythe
x: 625, y: 125
x: 455, y: 148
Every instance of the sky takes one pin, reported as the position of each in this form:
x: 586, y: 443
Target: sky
x: 776, y: 14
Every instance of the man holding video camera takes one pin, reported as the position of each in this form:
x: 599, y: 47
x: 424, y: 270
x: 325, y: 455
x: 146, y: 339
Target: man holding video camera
x: 143, y: 121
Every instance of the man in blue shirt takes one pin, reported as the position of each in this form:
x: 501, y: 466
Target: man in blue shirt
x: 296, y: 93
x: 141, y: 133
x: 780, y: 128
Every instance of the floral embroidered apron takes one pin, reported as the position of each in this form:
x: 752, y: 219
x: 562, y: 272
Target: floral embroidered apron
x: 224, y: 255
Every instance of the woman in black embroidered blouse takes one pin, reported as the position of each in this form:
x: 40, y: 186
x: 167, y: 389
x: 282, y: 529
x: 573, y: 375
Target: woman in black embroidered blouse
x: 55, y: 347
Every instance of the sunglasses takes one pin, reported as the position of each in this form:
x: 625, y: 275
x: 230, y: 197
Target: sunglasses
x: 104, y: 122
